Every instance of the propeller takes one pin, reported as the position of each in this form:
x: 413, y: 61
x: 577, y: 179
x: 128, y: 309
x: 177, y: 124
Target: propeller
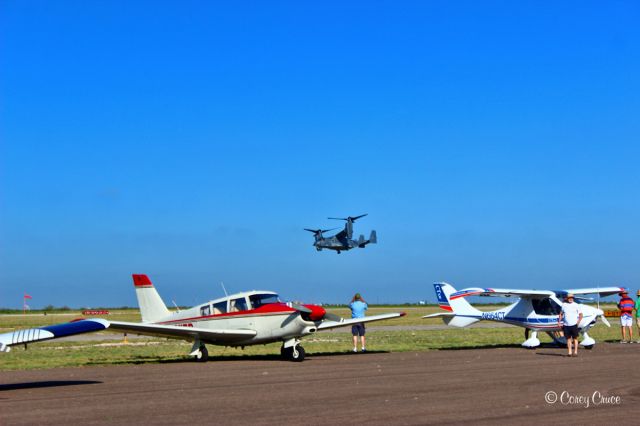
x: 319, y: 231
x: 301, y: 308
x: 314, y: 312
x: 349, y: 218
x: 332, y: 317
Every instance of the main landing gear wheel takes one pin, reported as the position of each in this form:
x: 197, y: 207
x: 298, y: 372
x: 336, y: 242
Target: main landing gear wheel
x: 293, y: 353
x: 202, y: 355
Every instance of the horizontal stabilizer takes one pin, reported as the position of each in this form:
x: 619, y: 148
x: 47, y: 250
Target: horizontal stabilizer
x: 458, y: 321
x: 453, y: 319
x: 440, y: 314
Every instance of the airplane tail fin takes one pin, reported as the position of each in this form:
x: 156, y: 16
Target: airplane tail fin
x: 152, y: 308
x: 450, y: 300
x: 373, y: 238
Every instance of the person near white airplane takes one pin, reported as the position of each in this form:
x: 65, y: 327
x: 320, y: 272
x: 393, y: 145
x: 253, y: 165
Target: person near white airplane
x: 626, y: 307
x: 570, y: 316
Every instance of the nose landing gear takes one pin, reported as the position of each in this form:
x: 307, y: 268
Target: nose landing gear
x: 292, y: 351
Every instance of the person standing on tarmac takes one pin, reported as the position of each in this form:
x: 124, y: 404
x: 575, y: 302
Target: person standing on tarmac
x: 358, y: 307
x: 570, y: 317
x: 638, y: 314
x: 626, y: 307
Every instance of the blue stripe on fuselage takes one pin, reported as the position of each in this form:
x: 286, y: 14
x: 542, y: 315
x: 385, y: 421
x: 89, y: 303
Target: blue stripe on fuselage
x: 516, y: 321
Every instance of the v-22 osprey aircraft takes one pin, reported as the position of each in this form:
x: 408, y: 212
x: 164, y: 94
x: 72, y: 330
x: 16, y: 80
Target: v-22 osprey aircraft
x: 342, y: 241
x: 238, y: 320
x: 535, y: 310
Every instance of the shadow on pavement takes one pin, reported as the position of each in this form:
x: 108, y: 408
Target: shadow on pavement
x: 46, y: 384
x: 228, y: 358
x: 488, y: 346
x: 560, y: 354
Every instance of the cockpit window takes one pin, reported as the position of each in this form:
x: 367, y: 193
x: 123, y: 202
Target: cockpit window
x: 237, y: 305
x: 258, y: 300
x: 545, y: 306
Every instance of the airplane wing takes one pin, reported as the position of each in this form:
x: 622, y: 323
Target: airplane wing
x: 501, y: 292
x: 49, y: 332
x: 602, y: 291
x: 214, y: 336
x: 325, y: 325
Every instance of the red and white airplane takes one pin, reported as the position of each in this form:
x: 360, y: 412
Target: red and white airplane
x: 238, y: 320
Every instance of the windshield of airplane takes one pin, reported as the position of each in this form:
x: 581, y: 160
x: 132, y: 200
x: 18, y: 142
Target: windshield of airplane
x: 258, y: 300
x: 545, y: 306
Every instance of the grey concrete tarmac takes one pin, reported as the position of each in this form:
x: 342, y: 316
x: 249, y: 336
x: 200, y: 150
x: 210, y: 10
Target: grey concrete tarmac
x: 483, y: 386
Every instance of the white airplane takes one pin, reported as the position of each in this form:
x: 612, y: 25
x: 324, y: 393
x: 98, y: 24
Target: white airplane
x: 535, y: 310
x: 238, y: 320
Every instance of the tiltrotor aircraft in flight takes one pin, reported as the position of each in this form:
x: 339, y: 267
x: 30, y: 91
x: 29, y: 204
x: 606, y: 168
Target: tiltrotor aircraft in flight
x: 343, y: 240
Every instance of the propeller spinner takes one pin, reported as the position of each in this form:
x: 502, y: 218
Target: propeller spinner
x: 315, y: 313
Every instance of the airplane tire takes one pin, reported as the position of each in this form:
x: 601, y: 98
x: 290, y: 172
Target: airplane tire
x: 588, y: 347
x: 203, y: 356
x: 300, y: 354
x: 289, y: 354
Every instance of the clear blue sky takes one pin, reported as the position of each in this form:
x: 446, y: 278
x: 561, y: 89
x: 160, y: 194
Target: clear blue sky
x: 492, y: 144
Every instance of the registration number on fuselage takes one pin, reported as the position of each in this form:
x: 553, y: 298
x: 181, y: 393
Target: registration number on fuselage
x: 493, y: 316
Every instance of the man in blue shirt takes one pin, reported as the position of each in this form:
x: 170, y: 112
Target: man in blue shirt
x: 358, y: 307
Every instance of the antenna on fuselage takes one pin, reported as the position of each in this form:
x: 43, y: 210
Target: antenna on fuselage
x: 224, y: 289
x: 174, y: 304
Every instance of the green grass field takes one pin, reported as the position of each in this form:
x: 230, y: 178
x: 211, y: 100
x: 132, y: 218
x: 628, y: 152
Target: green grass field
x: 156, y: 350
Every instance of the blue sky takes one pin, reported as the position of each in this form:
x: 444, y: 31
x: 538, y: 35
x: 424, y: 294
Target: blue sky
x: 492, y: 144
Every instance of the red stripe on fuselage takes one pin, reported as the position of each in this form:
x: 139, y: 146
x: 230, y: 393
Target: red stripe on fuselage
x: 265, y: 310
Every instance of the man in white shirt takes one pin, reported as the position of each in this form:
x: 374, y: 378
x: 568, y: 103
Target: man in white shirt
x: 570, y: 317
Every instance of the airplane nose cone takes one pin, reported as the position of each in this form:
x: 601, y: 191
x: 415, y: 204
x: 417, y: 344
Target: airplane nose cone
x: 317, y: 312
